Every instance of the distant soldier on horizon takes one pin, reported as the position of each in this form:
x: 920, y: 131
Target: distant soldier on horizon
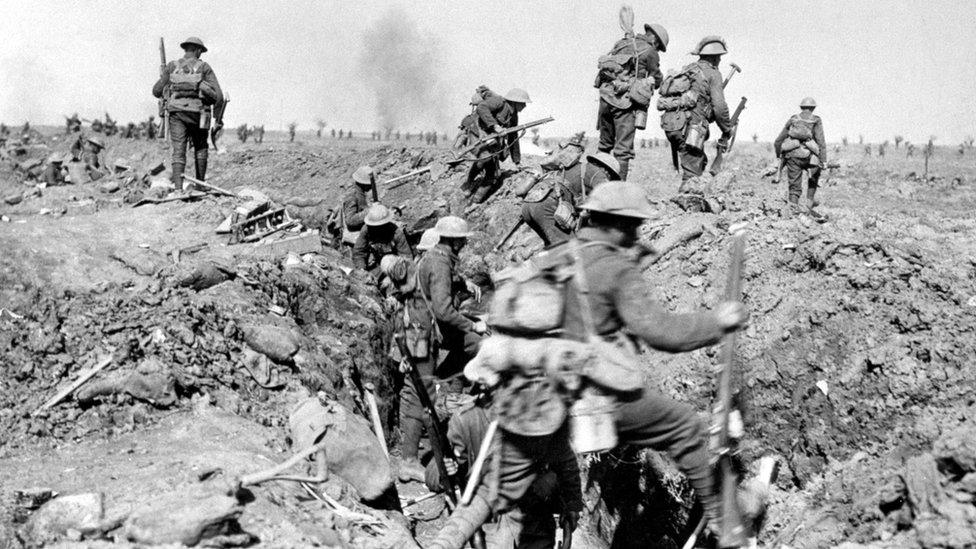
x: 291, y: 132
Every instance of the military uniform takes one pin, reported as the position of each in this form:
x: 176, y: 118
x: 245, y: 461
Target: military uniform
x: 375, y: 242
x: 616, y: 118
x: 494, y: 111
x: 530, y: 524
x: 354, y: 208
x: 710, y: 107
x: 539, y: 215
x: 445, y: 288
x: 812, y: 161
x: 192, y: 87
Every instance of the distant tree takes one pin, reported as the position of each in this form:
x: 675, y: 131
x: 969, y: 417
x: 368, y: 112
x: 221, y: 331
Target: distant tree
x: 755, y: 138
x: 898, y: 140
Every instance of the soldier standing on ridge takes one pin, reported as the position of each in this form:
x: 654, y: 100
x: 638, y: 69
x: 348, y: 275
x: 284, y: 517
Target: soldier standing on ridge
x: 193, y: 89
x: 691, y: 100
x: 802, y: 145
x: 631, y: 60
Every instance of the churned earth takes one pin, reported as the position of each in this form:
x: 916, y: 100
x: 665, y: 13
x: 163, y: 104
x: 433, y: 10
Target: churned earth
x: 854, y: 372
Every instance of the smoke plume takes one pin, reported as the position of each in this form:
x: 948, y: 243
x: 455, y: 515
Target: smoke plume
x: 401, y: 64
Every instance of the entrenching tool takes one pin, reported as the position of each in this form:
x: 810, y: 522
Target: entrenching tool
x: 734, y: 69
x: 732, y: 530
x: 459, y: 155
x: 724, y: 144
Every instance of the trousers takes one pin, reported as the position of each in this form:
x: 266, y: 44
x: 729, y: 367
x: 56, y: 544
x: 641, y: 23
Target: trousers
x: 692, y: 161
x: 539, y: 217
x: 794, y: 171
x: 185, y: 130
x: 617, y: 130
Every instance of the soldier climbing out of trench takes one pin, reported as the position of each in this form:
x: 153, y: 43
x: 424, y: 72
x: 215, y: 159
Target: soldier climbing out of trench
x: 802, y: 147
x: 539, y: 383
x: 496, y: 113
x: 192, y: 89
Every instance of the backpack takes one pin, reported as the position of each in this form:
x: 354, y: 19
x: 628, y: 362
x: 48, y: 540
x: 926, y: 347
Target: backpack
x: 801, y: 129
x: 678, y: 90
x: 415, y: 325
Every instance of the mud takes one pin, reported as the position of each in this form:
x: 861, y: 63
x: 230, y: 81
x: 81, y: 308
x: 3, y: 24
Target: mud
x: 854, y: 369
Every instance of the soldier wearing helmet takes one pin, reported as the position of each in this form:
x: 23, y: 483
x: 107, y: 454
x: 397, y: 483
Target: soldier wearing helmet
x: 356, y: 202
x: 495, y: 113
x: 802, y: 146
x: 621, y: 305
x: 686, y: 122
x: 571, y: 189
x: 632, y: 60
x: 380, y: 237
x: 192, y: 89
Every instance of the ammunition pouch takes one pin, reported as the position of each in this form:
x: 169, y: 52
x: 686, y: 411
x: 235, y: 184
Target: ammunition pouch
x: 674, y: 121
x: 185, y: 104
x: 565, y: 215
x: 185, y: 84
x: 641, y: 91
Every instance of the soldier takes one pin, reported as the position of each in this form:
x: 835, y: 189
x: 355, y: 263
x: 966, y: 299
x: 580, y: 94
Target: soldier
x: 291, y: 132
x: 617, y: 302
x: 53, y: 171
x: 259, y: 134
x: 556, y: 490
x: 495, y: 114
x: 96, y: 126
x: 340, y: 134
x: 193, y: 88
x: 355, y: 205
x: 110, y: 127
x: 151, y: 128
x: 242, y: 133
x: 446, y: 289
x: 632, y: 59
x: 428, y: 240
x: 910, y: 150
x: 540, y: 215
x: 691, y: 100
x: 381, y: 236
x: 802, y: 145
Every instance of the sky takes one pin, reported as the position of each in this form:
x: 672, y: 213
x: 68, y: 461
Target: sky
x: 876, y: 68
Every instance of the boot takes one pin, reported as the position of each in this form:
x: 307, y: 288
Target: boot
x: 201, y: 164
x: 624, y: 168
x: 461, y: 525
x: 176, y: 176
x: 811, y: 192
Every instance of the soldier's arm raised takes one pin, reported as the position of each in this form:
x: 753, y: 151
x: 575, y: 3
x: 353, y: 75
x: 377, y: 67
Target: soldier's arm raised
x: 664, y: 331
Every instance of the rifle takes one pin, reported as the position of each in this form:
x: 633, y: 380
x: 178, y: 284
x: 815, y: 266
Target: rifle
x: 732, y: 531
x: 218, y: 120
x: 440, y: 446
x: 372, y: 187
x: 725, y: 144
x: 163, y: 111
x: 402, y: 179
x: 509, y: 235
x: 458, y: 156
x: 674, y: 157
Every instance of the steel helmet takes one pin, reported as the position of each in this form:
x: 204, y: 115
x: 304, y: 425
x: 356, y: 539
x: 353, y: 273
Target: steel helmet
x: 607, y: 161
x: 517, y: 95
x: 660, y: 32
x: 97, y: 142
x: 362, y: 175
x: 808, y: 102
x: 452, y: 227
x: 711, y: 45
x: 193, y: 41
x: 378, y: 215
x: 429, y: 239
x: 621, y: 198
x: 476, y: 99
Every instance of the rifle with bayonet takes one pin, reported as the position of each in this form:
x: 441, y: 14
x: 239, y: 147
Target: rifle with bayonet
x: 402, y: 179
x: 459, y: 156
x: 440, y: 446
x: 732, y: 530
x: 163, y: 111
x: 725, y: 143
